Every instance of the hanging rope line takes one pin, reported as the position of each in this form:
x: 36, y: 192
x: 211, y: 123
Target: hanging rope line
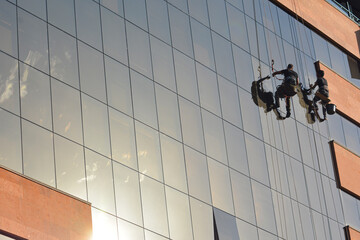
x: 257, y: 41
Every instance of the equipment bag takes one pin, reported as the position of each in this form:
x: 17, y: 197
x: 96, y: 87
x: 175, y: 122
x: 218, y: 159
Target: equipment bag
x: 330, y: 108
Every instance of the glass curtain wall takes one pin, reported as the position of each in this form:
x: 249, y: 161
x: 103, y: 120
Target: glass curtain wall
x: 144, y: 109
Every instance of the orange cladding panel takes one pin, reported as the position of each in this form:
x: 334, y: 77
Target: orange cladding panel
x: 33, y: 211
x: 354, y: 235
x: 351, y: 234
x: 343, y: 94
x: 327, y: 20
x: 348, y: 169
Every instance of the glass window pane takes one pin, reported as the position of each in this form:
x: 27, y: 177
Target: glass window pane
x: 8, y: 28
x: 225, y: 225
x: 153, y: 236
x: 223, y: 57
x: 35, y: 96
x: 113, y: 32
x: 63, y: 57
x: 114, y: 5
x: 100, y: 181
x: 243, y: 67
x: 88, y: 22
x: 237, y: 27
x: 136, y: 12
x: 9, y: 83
x: 144, y: 99
x: 198, y: 10
x: 127, y: 192
x: 163, y: 63
x: 284, y: 18
x: 139, y: 49
x: 264, y: 207
x: 250, y: 114
x: 191, y: 125
x: 62, y: 14
x: 38, y: 154
x: 208, y: 89
x: 197, y: 174
x: 180, y: 31
x: 118, y: 86
x: 36, y: 7
x: 33, y: 41
x: 128, y: 231
x: 257, y: 159
x: 104, y: 225
x: 173, y: 163
x: 66, y: 111
x: 186, y: 77
x: 242, y: 194
x: 218, y: 19
x: 337, y: 58
x: 92, y: 78
x: 246, y: 231
x: 214, y: 137
x: 70, y: 169
x: 148, y: 147
x: 10, y: 142
x: 230, y: 102
x: 202, y: 219
x: 158, y: 18
x: 122, y: 138
x: 321, y: 49
x: 220, y: 186
x: 155, y: 215
x: 168, y: 112
x: 235, y: 145
x: 95, y: 114
x: 250, y: 24
x: 202, y: 44
x: 351, y: 136
x: 179, y: 214
x: 336, y: 129
x: 181, y: 4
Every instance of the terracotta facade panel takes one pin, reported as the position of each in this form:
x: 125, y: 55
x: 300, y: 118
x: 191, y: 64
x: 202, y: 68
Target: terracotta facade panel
x: 343, y: 94
x: 352, y: 234
x: 347, y: 169
x: 33, y: 211
x: 327, y: 20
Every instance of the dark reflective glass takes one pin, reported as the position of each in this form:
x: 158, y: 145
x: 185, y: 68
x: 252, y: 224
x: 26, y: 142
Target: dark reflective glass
x: 225, y: 226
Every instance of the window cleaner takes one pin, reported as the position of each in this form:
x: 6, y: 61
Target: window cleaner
x: 287, y: 89
x: 322, y: 94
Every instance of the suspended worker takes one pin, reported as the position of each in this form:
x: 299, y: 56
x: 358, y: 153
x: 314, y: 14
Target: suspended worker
x: 287, y: 88
x: 322, y: 93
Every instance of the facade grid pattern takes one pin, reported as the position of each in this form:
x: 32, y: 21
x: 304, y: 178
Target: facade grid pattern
x: 143, y: 108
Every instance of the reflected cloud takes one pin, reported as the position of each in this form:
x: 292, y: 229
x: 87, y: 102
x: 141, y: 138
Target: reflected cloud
x: 88, y: 178
x: 31, y: 59
x: 67, y: 127
x: 8, y: 89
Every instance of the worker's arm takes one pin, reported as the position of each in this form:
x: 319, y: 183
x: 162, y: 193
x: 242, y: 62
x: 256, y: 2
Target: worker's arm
x: 313, y: 86
x: 276, y: 73
x: 297, y: 81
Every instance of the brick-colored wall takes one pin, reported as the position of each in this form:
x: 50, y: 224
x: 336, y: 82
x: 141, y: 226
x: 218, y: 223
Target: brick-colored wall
x: 327, y: 20
x: 343, y: 94
x: 347, y: 168
x: 33, y: 211
x: 351, y: 234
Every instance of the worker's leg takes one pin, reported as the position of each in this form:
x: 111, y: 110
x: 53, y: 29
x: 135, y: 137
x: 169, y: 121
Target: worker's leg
x: 288, y: 107
x: 279, y: 94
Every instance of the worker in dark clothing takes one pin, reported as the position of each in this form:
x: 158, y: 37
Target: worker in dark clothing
x: 287, y: 88
x: 321, y: 94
